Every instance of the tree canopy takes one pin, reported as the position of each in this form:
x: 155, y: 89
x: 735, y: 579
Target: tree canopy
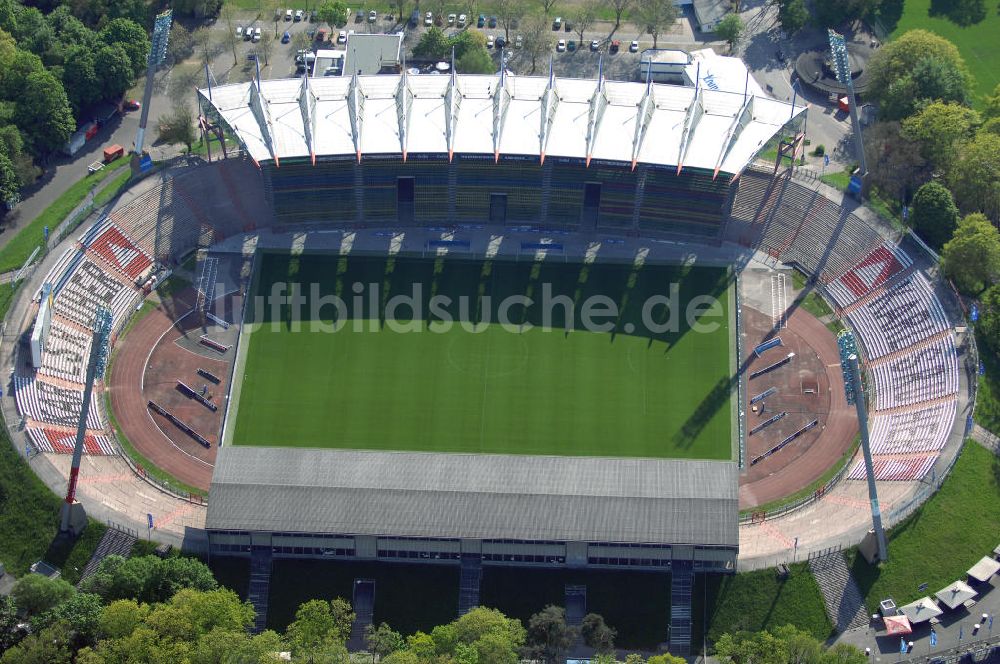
x: 972, y: 256
x: 975, y: 176
x: 147, y: 578
x: 934, y: 214
x: 939, y: 128
x: 730, y: 29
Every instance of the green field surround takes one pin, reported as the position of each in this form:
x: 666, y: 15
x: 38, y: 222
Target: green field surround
x: 392, y: 378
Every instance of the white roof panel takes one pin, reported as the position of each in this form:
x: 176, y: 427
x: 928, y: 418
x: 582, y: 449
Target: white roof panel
x: 276, y: 128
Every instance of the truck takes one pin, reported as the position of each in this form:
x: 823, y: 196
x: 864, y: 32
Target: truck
x: 112, y: 152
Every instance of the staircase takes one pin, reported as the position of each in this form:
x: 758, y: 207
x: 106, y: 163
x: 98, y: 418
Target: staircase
x: 452, y: 189
x: 640, y: 194
x: 844, y: 603
x: 681, y: 581
x: 543, y: 210
x: 260, y: 584
x: 359, y: 194
x: 468, y: 582
x: 114, y: 542
x: 363, y: 601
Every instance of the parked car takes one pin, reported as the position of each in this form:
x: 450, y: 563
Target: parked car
x: 481, y: 21
x: 285, y: 38
x: 298, y: 15
x: 514, y: 23
x: 568, y: 25
x: 239, y: 32
x: 372, y: 16
x: 462, y: 20
x: 288, y: 14
x: 452, y: 18
x: 615, y: 45
x: 518, y: 41
x: 560, y: 46
x: 493, y: 21
x: 571, y: 46
x: 360, y: 16
x: 331, y: 71
x: 501, y: 42
x: 633, y: 47
x: 428, y: 19
x: 321, y: 35
x: 557, y: 23
x: 132, y: 105
x: 415, y: 18
x: 252, y: 55
x: 489, y: 41
x: 595, y: 44
x: 256, y: 34
x: 342, y: 37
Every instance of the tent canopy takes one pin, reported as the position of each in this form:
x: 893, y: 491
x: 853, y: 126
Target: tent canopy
x: 984, y: 569
x: 956, y: 594
x: 921, y: 610
x: 897, y: 625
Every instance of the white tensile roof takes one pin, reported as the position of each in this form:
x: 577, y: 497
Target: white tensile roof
x: 662, y: 125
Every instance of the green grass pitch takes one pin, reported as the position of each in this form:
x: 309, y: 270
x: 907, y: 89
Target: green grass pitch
x: 480, y: 387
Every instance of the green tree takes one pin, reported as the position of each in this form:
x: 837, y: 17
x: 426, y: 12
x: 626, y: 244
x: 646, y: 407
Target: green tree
x: 792, y: 15
x: 939, y: 128
x: 333, y: 13
x: 180, y: 46
x: 382, y: 640
x: 401, y: 657
x: 147, y: 578
x: 132, y: 38
x: 10, y: 186
x: 972, y: 256
x: 12, y: 144
x: 8, y: 622
x: 52, y: 645
x: 750, y: 648
x: 15, y: 72
x: 895, y: 165
x: 934, y: 214
x: 115, y: 70
x: 917, y: 66
x: 584, y: 17
x: 475, y: 62
x: 989, y: 318
x: 597, y: 634
x: 120, y: 618
x: 730, y: 28
x: 991, y: 108
x: 313, y: 625
x: 35, y: 594
x: 666, y: 658
x: 538, y: 39
x: 548, y: 634
x: 831, y: 13
x: 433, y: 44
x: 80, y: 79
x: 655, y: 17
x: 343, y: 618
x: 81, y: 612
x: 975, y: 176
x: 620, y: 7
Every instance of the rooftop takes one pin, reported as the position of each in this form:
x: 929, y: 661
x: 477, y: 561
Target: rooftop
x: 534, y: 116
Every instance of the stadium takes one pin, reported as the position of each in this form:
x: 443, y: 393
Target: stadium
x: 531, y: 441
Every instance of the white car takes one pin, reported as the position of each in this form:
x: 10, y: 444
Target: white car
x: 518, y: 41
x: 633, y: 47
x: 595, y: 44
x: 239, y: 32
x: 256, y: 34
x: 372, y: 15
x: 490, y: 40
x: 451, y: 19
x: 288, y: 14
x: 560, y: 46
x: 462, y: 20
x: 428, y: 19
x: 557, y: 23
x: 298, y: 14
x: 342, y: 37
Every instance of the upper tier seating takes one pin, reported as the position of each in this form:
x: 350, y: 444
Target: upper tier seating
x: 119, y: 252
x: 924, y: 430
x: 904, y: 315
x: 66, y: 353
x: 895, y: 469
x: 61, y: 442
x: 872, y: 272
x: 928, y: 373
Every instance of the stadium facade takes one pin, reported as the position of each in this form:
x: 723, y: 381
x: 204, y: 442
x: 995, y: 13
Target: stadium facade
x: 503, y: 150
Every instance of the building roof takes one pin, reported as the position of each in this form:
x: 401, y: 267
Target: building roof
x: 416, y: 494
x: 499, y: 115
x: 708, y: 13
x: 368, y: 53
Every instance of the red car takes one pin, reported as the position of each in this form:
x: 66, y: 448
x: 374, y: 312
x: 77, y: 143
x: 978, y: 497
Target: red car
x: 133, y: 105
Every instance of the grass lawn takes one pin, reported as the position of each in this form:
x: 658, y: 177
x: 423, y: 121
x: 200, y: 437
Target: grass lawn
x: 977, y: 43
x: 13, y: 255
x: 816, y: 305
x: 945, y: 537
x: 754, y: 601
x: 987, y: 413
x: 545, y: 390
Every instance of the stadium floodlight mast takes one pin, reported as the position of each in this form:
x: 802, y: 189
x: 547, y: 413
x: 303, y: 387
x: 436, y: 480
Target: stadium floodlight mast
x: 838, y: 49
x: 157, y: 53
x: 859, y: 404
x: 73, y: 516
